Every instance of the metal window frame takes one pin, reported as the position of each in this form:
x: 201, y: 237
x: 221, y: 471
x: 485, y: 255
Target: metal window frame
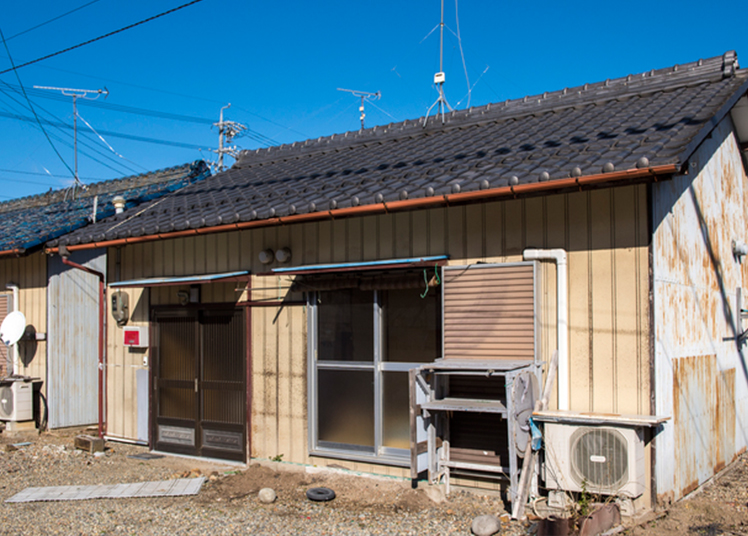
x: 380, y: 453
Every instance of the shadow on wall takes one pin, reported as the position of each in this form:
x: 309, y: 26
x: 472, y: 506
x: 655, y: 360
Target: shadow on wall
x: 27, y: 346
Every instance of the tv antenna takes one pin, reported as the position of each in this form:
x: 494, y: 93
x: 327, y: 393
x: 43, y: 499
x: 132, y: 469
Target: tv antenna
x: 77, y: 94
x: 441, y: 100
x: 227, y: 130
x: 365, y: 95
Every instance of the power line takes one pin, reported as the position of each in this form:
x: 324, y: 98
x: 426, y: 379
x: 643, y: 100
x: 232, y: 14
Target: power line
x: 39, y: 173
x: 31, y: 106
x: 51, y: 20
x: 104, y: 132
x: 129, y: 27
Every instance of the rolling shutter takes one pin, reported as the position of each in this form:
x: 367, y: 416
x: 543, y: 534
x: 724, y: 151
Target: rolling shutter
x: 489, y: 312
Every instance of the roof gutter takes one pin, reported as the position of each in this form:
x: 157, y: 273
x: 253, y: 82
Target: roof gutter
x: 17, y: 252
x: 407, y: 204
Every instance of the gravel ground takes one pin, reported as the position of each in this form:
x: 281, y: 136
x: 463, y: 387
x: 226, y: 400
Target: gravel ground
x: 227, y: 503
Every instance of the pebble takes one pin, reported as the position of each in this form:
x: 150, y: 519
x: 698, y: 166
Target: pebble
x: 485, y: 525
x: 267, y: 495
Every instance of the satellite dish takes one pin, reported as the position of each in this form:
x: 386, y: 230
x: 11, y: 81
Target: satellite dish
x: 13, y: 327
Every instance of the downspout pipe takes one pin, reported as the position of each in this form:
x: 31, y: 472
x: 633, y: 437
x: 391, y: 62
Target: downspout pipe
x: 64, y: 254
x: 562, y: 315
x: 16, y: 307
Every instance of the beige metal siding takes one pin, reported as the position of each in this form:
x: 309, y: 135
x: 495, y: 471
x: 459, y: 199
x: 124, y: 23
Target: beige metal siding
x: 4, y: 310
x: 30, y: 274
x: 604, y: 232
x: 489, y: 313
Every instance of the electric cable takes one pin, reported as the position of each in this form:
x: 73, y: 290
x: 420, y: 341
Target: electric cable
x: 31, y: 106
x: 51, y: 20
x: 462, y: 54
x: 95, y: 39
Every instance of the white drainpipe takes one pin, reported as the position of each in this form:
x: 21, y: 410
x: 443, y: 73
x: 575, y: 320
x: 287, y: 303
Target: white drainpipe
x: 16, y: 307
x: 562, y: 316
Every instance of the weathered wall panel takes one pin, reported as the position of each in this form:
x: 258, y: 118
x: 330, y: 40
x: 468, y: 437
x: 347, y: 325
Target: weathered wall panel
x: 698, y: 367
x: 73, y: 338
x: 492, y: 232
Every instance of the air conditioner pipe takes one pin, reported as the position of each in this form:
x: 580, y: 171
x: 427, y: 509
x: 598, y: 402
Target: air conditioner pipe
x: 64, y: 254
x: 16, y: 307
x: 562, y: 316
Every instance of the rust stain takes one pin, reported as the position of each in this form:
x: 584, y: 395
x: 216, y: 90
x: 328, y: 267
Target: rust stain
x: 688, y: 489
x: 704, y: 419
x: 665, y: 499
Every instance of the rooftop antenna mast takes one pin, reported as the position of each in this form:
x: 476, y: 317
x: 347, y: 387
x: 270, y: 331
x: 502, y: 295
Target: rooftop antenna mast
x: 77, y: 94
x: 364, y: 97
x: 441, y: 100
x: 227, y: 130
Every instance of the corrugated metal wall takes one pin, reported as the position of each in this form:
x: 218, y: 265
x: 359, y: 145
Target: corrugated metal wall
x: 701, y: 378
x: 73, y: 338
x: 30, y: 274
x: 605, y: 232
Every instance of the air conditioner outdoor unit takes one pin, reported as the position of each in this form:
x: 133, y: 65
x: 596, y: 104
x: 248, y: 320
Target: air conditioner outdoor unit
x: 16, y: 401
x: 603, y: 459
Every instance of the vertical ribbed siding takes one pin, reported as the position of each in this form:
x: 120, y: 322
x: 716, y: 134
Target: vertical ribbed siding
x: 3, y: 348
x: 489, y: 312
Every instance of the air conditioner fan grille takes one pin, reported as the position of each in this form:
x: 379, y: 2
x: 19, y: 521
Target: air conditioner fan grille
x: 6, y: 401
x: 599, y: 458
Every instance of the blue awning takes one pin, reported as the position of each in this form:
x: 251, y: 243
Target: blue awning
x: 412, y: 262
x: 182, y: 280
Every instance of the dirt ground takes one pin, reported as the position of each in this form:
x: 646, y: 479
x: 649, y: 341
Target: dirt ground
x: 718, y: 508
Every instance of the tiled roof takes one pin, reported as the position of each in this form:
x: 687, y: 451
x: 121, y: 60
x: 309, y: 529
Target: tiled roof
x: 651, y: 119
x: 34, y: 220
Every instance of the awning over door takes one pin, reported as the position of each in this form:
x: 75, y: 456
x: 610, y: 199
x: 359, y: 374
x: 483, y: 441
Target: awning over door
x: 182, y: 280
x: 413, y: 262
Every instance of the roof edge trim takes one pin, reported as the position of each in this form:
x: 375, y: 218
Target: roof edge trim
x: 547, y: 187
x: 714, y: 120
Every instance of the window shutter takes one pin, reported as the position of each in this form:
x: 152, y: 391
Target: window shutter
x: 489, y: 312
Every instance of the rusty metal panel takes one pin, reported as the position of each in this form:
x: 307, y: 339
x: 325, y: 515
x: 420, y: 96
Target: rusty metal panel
x: 700, y: 375
x: 73, y: 323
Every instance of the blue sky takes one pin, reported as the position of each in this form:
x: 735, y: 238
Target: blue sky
x: 280, y: 63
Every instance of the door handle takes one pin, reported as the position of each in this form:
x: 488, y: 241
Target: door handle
x: 196, y: 385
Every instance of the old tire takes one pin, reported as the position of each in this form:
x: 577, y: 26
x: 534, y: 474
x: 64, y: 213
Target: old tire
x: 320, y: 494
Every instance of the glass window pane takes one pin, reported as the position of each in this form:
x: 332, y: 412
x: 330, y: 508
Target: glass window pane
x: 345, y: 402
x: 412, y: 325
x: 396, y: 413
x: 345, y: 325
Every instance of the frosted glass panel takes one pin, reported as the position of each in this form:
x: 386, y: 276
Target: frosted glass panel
x: 346, y: 407
x: 396, y: 413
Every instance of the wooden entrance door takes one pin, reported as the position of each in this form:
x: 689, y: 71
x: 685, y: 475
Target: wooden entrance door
x: 199, y: 383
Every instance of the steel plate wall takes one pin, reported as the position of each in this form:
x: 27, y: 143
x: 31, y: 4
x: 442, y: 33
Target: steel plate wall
x: 604, y: 232
x: 700, y: 374
x: 73, y: 297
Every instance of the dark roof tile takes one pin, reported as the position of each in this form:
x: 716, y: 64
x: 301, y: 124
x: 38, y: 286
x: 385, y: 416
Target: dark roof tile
x: 31, y: 221
x: 659, y: 116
